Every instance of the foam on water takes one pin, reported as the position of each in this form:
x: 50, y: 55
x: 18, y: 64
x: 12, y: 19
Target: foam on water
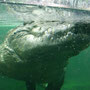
x: 29, y: 13
x: 41, y: 11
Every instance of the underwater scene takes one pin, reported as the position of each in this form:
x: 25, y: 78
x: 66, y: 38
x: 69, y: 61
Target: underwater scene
x: 59, y: 28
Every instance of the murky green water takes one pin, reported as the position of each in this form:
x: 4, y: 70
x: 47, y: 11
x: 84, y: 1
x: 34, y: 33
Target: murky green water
x: 77, y: 74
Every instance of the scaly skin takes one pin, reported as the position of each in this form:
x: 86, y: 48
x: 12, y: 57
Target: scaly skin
x: 39, y: 52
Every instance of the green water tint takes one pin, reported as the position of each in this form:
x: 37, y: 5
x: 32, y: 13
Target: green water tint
x: 77, y: 75
x: 3, y: 32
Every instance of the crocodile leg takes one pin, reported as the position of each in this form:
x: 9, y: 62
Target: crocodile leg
x: 30, y: 85
x: 57, y: 85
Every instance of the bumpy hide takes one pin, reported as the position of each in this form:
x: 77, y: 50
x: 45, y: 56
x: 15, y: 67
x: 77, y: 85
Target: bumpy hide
x: 39, y: 51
